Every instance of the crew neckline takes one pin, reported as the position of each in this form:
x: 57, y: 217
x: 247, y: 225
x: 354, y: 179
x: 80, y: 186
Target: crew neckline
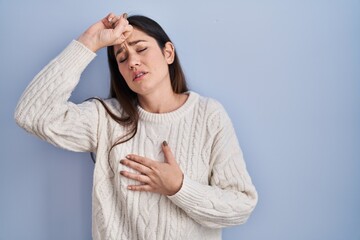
x: 169, y: 116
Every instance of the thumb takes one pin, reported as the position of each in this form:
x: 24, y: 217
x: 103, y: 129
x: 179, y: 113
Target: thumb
x: 169, y: 157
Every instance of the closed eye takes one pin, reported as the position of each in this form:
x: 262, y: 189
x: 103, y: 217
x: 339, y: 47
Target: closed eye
x: 142, y: 49
x: 123, y: 59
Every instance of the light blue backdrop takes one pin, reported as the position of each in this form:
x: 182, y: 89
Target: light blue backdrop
x: 288, y: 72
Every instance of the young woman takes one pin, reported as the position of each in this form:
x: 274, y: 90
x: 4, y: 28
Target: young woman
x: 168, y: 163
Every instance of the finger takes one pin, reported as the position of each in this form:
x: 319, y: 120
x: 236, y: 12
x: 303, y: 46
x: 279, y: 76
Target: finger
x: 139, y: 159
x: 110, y: 16
x: 111, y: 20
x: 135, y: 176
x: 128, y: 30
x: 169, y: 157
x: 135, y: 165
x: 141, y: 188
x: 116, y: 20
x: 108, y: 21
x: 124, y: 35
x: 120, y: 25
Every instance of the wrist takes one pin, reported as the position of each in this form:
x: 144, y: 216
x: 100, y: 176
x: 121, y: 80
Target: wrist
x: 179, y: 186
x: 87, y: 43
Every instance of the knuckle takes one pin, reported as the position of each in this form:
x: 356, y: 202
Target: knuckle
x: 142, y: 169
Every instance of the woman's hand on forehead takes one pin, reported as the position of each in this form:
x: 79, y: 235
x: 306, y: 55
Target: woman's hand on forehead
x: 111, y: 30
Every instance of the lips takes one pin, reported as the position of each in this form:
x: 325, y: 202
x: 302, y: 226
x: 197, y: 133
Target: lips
x: 138, y: 75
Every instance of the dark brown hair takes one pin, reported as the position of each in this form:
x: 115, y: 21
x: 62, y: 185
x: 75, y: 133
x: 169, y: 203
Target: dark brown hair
x: 119, y: 88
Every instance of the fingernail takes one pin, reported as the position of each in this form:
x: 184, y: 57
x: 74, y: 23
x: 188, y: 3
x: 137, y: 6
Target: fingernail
x: 165, y: 143
x: 110, y: 19
x: 128, y: 156
x: 125, y: 15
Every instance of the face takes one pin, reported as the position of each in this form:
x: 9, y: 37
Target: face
x: 143, y: 64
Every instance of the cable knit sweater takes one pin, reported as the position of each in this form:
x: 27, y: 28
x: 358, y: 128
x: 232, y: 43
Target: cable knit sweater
x: 216, y: 191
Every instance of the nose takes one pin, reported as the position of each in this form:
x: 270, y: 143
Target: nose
x: 133, y: 60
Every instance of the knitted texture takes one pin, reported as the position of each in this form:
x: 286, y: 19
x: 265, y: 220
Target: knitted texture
x: 216, y: 192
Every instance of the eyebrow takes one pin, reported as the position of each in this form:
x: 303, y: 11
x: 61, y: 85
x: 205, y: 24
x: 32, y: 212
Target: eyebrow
x: 130, y: 44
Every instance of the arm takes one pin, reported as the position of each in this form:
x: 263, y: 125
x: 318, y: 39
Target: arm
x: 231, y: 197
x: 227, y: 200
x: 44, y: 109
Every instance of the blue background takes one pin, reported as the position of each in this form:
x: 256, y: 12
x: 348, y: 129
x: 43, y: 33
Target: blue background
x: 288, y: 73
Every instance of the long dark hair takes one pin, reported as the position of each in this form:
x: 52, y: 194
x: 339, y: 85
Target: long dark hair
x: 120, y: 90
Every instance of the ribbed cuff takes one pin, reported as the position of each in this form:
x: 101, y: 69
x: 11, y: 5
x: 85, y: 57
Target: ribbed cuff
x: 190, y: 194
x: 76, y: 64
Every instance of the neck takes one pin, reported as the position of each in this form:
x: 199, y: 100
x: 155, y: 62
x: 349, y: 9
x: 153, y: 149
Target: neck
x: 162, y: 102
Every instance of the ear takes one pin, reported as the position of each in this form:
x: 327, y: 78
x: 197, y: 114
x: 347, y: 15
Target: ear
x: 169, y: 52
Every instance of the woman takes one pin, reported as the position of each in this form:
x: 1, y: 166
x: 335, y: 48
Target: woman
x: 168, y: 163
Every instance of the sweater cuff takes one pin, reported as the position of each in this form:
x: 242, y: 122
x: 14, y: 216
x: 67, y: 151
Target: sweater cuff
x: 191, y: 193
x: 76, y: 64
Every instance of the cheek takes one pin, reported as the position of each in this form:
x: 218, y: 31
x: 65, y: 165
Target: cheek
x: 162, y: 65
x: 121, y: 68
x: 123, y: 71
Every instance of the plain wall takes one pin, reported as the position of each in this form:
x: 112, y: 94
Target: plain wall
x: 288, y: 73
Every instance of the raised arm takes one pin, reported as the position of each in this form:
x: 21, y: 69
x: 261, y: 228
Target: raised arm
x: 44, y: 108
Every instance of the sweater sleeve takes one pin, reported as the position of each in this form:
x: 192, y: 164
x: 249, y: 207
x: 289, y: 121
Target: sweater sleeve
x: 44, y: 109
x: 230, y: 197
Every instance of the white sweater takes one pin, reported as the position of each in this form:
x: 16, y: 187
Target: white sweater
x: 216, y: 192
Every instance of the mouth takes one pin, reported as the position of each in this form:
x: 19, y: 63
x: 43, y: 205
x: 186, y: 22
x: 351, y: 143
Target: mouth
x: 138, y: 76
